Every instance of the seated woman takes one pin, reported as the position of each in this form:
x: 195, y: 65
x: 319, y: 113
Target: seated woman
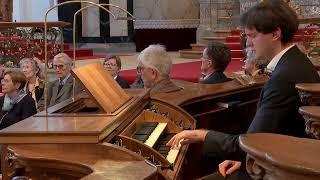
x: 35, y: 78
x: 15, y: 105
x: 252, y: 65
x: 113, y: 66
x: 215, y: 58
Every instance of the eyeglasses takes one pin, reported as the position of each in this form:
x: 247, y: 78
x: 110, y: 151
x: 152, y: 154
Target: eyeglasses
x: 140, y: 69
x: 5, y: 81
x: 110, y: 64
x: 59, y: 66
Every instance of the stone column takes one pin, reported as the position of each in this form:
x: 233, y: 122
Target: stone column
x: 217, y: 17
x: 246, y: 4
x: 6, y: 10
x: 166, y: 14
x: 304, y: 8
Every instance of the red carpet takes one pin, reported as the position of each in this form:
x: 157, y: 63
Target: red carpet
x: 184, y: 71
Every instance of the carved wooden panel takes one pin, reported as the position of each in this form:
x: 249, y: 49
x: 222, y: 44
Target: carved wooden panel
x: 278, y: 157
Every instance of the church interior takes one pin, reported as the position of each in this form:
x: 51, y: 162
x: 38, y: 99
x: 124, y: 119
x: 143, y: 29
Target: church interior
x: 159, y: 89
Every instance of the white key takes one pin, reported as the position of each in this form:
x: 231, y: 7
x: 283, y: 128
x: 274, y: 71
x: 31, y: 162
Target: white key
x: 156, y: 133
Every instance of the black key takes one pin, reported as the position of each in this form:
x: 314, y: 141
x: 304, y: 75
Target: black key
x: 141, y: 138
x: 164, y: 148
x: 150, y: 124
x: 164, y: 153
x: 145, y: 130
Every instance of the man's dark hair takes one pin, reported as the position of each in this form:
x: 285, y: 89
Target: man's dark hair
x: 219, y: 54
x: 269, y: 15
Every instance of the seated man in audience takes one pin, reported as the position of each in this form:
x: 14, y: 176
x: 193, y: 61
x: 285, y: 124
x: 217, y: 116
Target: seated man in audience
x: 113, y: 66
x: 215, y: 59
x: 270, y: 27
x: 15, y: 105
x: 155, y: 69
x: 60, y: 89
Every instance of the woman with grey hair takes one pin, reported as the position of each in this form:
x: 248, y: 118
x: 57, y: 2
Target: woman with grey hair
x: 31, y: 68
x: 155, y: 68
x: 252, y: 65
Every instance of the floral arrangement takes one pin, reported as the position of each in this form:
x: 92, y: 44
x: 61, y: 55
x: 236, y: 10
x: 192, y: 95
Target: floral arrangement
x: 17, y: 43
x: 311, y: 39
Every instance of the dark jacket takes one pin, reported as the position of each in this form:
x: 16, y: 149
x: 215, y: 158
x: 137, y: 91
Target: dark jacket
x: 277, y: 110
x: 122, y: 82
x: 38, y: 90
x: 216, y: 77
x: 55, y: 96
x: 24, y: 108
x: 138, y: 83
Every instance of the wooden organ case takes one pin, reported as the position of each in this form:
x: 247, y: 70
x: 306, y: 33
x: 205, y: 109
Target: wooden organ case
x: 100, y: 136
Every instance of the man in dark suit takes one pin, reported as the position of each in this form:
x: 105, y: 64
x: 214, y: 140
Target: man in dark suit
x: 270, y: 27
x: 215, y: 58
x: 113, y: 65
x: 60, y: 89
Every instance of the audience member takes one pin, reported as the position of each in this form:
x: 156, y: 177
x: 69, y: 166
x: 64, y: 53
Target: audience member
x: 113, y: 66
x: 31, y: 68
x: 138, y: 83
x: 252, y: 65
x: 270, y: 26
x: 60, y: 89
x: 16, y: 105
x: 155, y: 69
x: 215, y: 59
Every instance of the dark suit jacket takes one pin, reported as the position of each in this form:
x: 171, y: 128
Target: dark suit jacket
x: 122, y: 82
x: 38, y: 91
x: 24, y: 108
x: 277, y: 110
x: 65, y: 93
x: 216, y: 77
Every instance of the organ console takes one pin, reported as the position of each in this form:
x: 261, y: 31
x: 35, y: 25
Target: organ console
x: 109, y: 132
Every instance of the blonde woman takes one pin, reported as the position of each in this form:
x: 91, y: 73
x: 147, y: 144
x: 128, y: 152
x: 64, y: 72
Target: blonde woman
x: 31, y: 68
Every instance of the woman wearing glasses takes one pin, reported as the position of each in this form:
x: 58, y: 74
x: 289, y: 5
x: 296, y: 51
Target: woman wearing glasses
x: 113, y: 65
x: 15, y: 105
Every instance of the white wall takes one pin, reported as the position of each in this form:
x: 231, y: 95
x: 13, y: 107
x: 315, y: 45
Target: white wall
x: 33, y: 10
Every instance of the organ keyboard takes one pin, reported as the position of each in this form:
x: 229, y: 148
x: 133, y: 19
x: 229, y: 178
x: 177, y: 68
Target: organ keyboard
x: 149, y: 132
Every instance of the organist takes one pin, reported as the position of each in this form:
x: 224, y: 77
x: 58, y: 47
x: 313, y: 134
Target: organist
x: 270, y: 27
